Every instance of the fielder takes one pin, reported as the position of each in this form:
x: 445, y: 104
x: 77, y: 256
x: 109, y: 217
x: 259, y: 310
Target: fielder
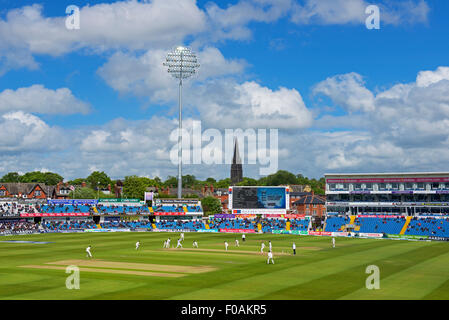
x: 262, y: 247
x: 195, y: 244
x: 333, y: 242
x: 179, y: 243
x: 89, y: 255
x: 270, y: 257
x: 137, y: 245
x: 294, y: 248
x: 269, y: 246
x: 167, y: 243
x: 237, y: 242
x: 243, y: 237
x: 226, y: 245
x: 182, y: 236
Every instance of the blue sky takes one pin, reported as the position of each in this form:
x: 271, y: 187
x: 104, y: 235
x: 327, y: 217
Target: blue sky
x: 98, y: 98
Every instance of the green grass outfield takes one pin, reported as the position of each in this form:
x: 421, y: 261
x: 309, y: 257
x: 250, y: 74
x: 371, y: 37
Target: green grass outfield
x: 408, y: 269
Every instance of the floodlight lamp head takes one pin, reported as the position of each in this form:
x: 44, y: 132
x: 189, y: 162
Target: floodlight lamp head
x: 181, y: 62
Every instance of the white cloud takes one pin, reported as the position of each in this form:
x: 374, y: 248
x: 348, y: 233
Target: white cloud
x: 348, y: 91
x: 128, y: 25
x: 221, y: 101
x: 328, y: 12
x: 159, y: 24
x: 225, y: 103
x: 426, y: 78
x: 145, y: 75
x: 39, y: 99
x: 231, y: 22
x: 406, y: 126
x: 28, y: 133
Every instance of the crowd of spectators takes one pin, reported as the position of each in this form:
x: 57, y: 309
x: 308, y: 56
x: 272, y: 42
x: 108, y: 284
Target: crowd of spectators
x: 17, y: 226
x: 68, y: 225
x: 121, y: 209
x: 428, y: 226
x: 12, y: 208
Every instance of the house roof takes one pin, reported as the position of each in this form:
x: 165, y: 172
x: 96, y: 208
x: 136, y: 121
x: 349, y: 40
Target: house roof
x: 25, y: 188
x: 310, y: 199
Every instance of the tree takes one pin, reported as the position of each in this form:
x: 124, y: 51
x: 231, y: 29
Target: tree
x: 49, y: 178
x: 98, y: 179
x: 11, y: 177
x: 281, y: 177
x: 211, y: 205
x: 224, y: 183
x: 158, y: 181
x: 211, y: 181
x: 83, y: 193
x: 135, y: 187
x: 248, y: 182
x: 171, y: 182
x: 52, y: 179
x: 77, y: 182
x: 188, y: 180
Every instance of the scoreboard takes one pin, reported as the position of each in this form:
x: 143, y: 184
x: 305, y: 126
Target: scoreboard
x: 254, y: 200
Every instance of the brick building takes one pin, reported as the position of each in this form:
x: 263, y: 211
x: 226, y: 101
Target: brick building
x: 310, y: 204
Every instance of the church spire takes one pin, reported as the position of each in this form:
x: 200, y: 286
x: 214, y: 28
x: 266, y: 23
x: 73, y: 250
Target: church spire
x: 236, y: 167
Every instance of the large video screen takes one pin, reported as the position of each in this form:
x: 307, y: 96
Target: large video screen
x: 259, y: 198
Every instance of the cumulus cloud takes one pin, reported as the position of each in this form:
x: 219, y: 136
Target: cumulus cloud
x: 228, y: 104
x: 328, y: 12
x: 231, y: 22
x: 38, y: 99
x: 158, y: 24
x: 348, y: 91
x: 145, y: 75
x: 426, y: 78
x: 221, y: 100
x: 406, y: 126
x: 128, y: 25
x: 28, y: 133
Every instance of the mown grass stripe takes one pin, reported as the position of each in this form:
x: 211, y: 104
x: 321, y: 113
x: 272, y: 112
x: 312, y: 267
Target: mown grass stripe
x: 276, y: 278
x: 413, y: 282
x: 338, y: 285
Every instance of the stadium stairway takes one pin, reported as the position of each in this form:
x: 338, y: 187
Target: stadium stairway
x: 351, y: 221
x: 407, y: 222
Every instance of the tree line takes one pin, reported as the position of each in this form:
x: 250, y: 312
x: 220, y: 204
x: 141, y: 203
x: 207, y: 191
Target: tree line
x: 135, y: 186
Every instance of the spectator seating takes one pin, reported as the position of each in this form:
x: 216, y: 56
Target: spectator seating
x: 69, y: 225
x: 428, y: 227
x: 121, y: 209
x: 380, y: 225
x: 126, y: 225
x: 334, y: 223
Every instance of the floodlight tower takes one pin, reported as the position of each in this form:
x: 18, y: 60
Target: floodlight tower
x: 182, y: 63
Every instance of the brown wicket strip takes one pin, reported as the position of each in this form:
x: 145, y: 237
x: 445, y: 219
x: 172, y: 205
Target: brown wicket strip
x: 135, y: 266
x: 137, y: 273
